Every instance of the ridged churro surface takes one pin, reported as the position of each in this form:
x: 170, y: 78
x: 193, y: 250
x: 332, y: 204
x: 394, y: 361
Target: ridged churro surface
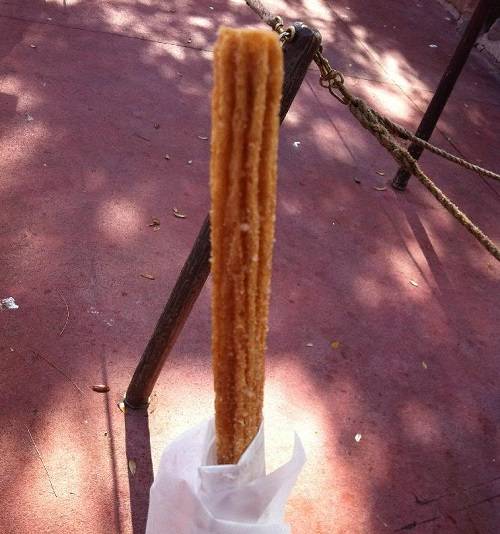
x: 248, y: 76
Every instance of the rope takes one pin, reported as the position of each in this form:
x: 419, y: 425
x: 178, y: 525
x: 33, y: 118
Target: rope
x: 383, y: 129
x: 257, y: 7
x: 405, y: 134
x: 333, y: 80
x: 369, y: 120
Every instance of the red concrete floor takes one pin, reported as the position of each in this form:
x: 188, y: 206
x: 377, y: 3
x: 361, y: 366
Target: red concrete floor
x: 83, y: 171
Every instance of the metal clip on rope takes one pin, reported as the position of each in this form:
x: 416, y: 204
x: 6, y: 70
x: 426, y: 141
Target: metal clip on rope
x: 330, y: 79
x: 285, y: 35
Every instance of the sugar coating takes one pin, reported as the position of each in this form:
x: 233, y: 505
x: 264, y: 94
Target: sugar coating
x: 248, y: 77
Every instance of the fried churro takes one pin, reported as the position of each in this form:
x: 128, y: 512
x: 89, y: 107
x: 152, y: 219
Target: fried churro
x: 248, y: 77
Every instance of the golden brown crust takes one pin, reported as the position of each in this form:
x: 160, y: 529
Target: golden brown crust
x: 248, y: 77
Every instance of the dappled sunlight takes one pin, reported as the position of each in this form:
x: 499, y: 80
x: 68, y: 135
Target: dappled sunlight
x: 290, y: 207
x: 187, y: 400
x: 368, y: 292
x: 33, y: 247
x: 95, y: 180
x: 360, y: 32
x: 120, y: 219
x: 290, y: 406
x: 400, y: 73
x: 328, y: 138
x: 398, y: 106
x: 420, y: 423
x: 294, y: 404
x: 201, y: 22
x: 384, y: 317
x: 294, y: 116
x: 162, y: 55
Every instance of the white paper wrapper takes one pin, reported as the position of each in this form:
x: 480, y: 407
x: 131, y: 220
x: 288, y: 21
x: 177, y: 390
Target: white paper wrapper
x: 191, y: 495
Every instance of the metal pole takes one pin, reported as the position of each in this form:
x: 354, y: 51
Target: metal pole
x: 445, y: 87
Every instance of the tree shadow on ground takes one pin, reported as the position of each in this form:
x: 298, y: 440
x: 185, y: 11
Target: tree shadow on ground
x: 80, y: 184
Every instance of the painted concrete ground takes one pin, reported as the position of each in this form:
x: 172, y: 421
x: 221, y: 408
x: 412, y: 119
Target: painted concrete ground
x: 83, y: 171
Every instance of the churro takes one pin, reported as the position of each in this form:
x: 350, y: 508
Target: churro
x: 248, y: 77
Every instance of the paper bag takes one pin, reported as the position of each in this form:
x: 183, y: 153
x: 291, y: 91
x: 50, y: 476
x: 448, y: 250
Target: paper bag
x: 192, y: 495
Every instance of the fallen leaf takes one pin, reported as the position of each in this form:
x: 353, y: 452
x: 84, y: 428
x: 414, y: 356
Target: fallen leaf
x: 309, y: 345
x: 433, y: 46
x: 211, y: 8
x: 189, y: 41
x: 148, y: 276
x: 156, y: 125
x: 357, y: 180
x: 178, y: 214
x: 413, y: 283
x: 167, y: 156
x: 424, y: 365
x: 33, y: 45
x: 380, y: 173
x: 132, y: 467
x: 190, y: 161
x: 335, y: 344
x: 296, y: 144
x: 357, y: 438
x: 29, y: 118
x: 380, y: 188
x: 122, y: 407
x: 202, y: 137
x: 100, y: 388
x: 155, y: 222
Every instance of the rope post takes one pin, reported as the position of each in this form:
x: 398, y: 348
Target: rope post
x: 298, y: 55
x: 446, y: 85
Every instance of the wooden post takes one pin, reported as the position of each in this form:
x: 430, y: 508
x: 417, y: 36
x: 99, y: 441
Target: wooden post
x: 298, y: 54
x: 445, y: 87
